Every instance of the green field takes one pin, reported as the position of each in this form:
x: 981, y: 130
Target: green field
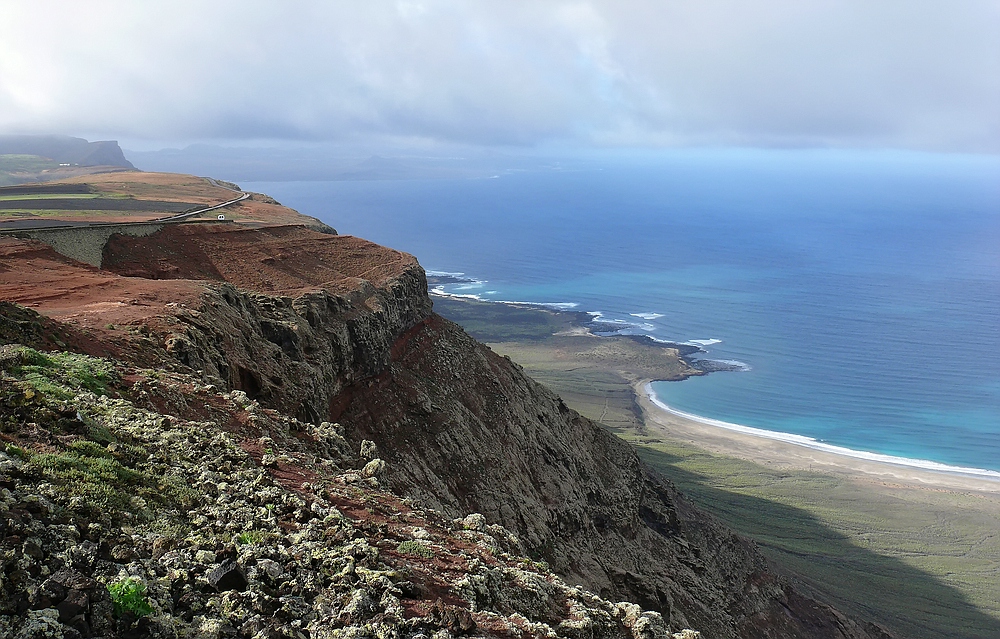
x: 53, y: 196
x: 922, y: 562
x: 10, y: 165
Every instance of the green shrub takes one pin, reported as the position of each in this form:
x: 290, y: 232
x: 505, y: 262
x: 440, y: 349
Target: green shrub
x: 17, y: 451
x: 86, y: 448
x: 129, y: 595
x: 249, y: 537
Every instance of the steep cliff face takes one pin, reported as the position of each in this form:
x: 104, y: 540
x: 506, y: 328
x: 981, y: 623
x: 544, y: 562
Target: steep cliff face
x: 338, y: 304
x: 340, y: 329
x: 62, y: 148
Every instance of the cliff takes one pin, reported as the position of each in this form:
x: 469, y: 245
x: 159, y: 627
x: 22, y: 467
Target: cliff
x: 322, y: 329
x: 66, y: 149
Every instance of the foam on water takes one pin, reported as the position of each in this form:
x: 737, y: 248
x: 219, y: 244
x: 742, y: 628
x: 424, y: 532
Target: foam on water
x: 561, y: 306
x: 809, y: 442
x: 440, y: 292
x: 703, y: 342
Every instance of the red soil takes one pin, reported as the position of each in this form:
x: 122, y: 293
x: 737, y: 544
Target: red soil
x: 270, y: 259
x: 34, y: 275
x: 147, y: 280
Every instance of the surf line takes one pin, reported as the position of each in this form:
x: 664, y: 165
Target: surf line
x: 809, y: 442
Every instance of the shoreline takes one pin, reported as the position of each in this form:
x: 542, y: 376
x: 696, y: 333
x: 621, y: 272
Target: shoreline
x: 797, y: 452
x: 583, y: 323
x: 879, y: 538
x: 770, y: 448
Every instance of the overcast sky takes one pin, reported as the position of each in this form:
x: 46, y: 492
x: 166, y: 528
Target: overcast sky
x: 856, y: 73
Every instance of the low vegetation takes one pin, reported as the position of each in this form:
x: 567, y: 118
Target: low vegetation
x: 135, y: 523
x: 129, y: 597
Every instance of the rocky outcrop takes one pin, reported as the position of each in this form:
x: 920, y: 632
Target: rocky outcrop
x: 137, y: 503
x: 465, y: 430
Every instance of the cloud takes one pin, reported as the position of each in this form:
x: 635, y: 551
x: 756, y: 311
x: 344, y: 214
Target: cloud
x: 894, y: 73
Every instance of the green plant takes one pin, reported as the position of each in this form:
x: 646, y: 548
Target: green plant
x: 129, y: 595
x: 87, y: 448
x: 249, y: 537
x: 60, y: 375
x: 415, y: 548
x: 17, y: 451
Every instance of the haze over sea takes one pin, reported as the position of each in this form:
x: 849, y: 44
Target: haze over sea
x: 860, y: 289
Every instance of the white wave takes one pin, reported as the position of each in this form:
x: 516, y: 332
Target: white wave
x: 703, y: 342
x: 737, y: 365
x: 809, y: 442
x: 444, y: 274
x: 559, y: 305
x: 440, y: 292
x: 595, y: 314
x: 490, y: 292
x: 556, y: 305
x: 647, y: 316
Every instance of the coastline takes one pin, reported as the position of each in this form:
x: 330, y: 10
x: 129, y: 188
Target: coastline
x: 796, y: 452
x: 485, y: 316
x: 771, y: 448
x: 880, y: 539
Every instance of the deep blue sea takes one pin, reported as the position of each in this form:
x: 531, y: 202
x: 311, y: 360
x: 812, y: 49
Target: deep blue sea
x: 860, y: 290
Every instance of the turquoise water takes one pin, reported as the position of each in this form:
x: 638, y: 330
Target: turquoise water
x: 860, y: 292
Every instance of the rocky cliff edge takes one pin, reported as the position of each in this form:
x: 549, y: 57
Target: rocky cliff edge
x: 337, y: 334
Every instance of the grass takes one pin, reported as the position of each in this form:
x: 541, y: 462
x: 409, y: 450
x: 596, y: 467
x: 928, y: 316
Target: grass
x: 919, y: 561
x: 20, y: 163
x: 249, y: 537
x: 100, y: 468
x: 53, y: 196
x: 13, y: 164
x: 490, y: 322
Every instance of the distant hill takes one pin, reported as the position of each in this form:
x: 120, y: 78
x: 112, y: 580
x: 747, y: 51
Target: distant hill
x: 43, y: 158
x: 64, y: 149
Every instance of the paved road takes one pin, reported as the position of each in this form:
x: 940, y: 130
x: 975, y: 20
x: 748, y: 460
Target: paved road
x: 184, y: 216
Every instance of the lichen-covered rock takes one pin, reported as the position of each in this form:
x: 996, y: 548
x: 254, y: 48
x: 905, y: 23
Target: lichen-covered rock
x: 236, y: 525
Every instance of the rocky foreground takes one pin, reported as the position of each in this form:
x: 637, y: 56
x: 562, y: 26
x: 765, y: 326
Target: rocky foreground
x: 267, y: 432
x: 239, y: 521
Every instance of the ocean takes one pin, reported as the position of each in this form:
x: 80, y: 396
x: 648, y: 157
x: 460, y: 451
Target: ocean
x: 857, y: 293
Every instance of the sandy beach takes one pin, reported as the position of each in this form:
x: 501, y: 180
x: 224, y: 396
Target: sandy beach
x: 769, y: 450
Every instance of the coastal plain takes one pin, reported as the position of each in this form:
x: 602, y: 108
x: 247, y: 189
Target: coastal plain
x: 913, y: 549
